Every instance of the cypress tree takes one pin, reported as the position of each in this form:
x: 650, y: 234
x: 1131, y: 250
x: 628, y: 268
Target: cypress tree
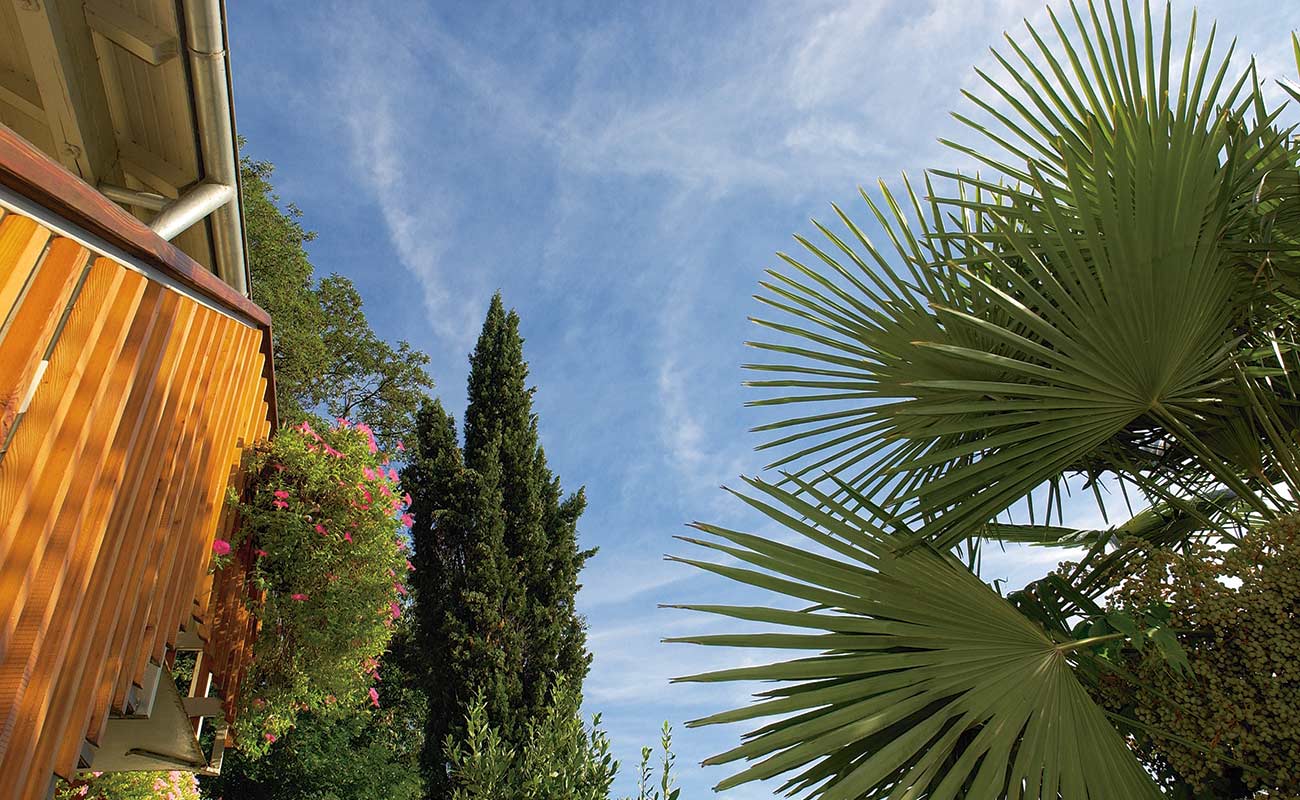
x: 496, y: 554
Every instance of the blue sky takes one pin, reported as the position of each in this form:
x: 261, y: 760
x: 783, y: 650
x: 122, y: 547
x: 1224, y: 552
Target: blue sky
x: 622, y: 173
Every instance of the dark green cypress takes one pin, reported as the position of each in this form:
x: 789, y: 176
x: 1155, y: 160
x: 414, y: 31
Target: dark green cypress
x: 496, y: 553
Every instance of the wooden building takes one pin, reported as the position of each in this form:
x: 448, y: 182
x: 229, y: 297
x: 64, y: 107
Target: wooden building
x: 134, y: 370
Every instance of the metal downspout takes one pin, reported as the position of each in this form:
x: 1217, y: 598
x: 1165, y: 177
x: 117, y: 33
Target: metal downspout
x: 205, y: 39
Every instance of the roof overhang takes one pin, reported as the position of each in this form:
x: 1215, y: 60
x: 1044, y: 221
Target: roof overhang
x: 136, y: 100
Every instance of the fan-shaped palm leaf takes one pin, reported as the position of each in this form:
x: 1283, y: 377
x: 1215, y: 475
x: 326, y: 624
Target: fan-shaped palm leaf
x: 1083, y: 318
x: 926, y: 683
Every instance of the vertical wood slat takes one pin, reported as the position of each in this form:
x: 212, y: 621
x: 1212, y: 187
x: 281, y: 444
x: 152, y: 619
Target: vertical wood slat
x: 30, y: 329
x: 54, y: 603
x: 59, y: 659
x: 28, y: 524
x: 92, y: 347
x: 142, y: 486
x: 221, y: 452
x: 22, y: 349
x: 224, y: 648
x: 168, y: 466
x: 196, y: 427
x: 245, y: 624
x: 69, y: 706
x: 21, y: 243
x: 217, y: 518
x: 112, y: 483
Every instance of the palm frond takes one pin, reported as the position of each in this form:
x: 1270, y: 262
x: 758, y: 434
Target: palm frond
x: 1079, y: 314
x: 924, y: 683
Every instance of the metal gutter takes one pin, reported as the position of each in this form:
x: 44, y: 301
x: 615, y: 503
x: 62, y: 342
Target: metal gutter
x: 205, y: 40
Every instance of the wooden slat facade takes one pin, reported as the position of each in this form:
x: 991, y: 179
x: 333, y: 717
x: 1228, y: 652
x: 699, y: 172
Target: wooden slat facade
x: 126, y: 400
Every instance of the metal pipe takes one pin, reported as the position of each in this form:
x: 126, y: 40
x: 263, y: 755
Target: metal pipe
x: 205, y: 40
x: 191, y: 207
x: 133, y: 197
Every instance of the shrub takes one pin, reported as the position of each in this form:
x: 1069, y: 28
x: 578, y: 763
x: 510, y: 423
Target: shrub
x: 1232, y: 728
x: 174, y: 785
x: 325, y: 515
x: 561, y: 760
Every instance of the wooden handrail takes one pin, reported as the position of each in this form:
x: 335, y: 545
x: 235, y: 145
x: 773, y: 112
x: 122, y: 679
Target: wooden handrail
x: 30, y: 173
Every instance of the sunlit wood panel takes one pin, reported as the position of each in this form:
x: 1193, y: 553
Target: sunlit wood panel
x: 127, y: 406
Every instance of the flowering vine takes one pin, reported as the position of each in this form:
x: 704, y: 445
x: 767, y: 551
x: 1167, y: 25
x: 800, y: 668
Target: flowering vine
x: 328, y: 521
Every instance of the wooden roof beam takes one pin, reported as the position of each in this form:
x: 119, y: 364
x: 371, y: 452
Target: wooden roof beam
x: 71, y: 90
x: 128, y: 31
x: 21, y: 94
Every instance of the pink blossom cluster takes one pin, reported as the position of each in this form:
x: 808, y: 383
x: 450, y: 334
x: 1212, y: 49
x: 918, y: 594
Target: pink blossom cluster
x: 378, y: 489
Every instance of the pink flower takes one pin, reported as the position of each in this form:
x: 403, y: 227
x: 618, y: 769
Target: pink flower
x: 279, y: 504
x: 400, y: 446
x: 271, y: 737
x: 367, y: 496
x: 407, y: 520
x: 342, y: 423
x: 258, y: 702
x: 392, y: 475
x: 409, y: 565
x: 392, y: 574
x: 331, y: 451
x: 281, y: 494
x: 278, y: 467
x: 347, y: 537
x: 368, y: 473
x: 374, y: 697
x: 406, y: 498
x: 321, y: 529
x: 299, y: 596
x: 400, y: 589
x: 394, y: 610
x: 221, y: 547
x: 401, y: 546
x: 261, y: 553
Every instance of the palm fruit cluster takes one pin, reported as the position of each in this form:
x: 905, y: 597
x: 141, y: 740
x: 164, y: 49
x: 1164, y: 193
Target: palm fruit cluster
x: 1232, y: 728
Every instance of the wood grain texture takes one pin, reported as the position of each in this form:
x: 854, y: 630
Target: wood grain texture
x: 112, y: 489
x: 30, y: 173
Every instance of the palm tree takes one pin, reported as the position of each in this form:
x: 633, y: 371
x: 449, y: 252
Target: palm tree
x: 1110, y: 302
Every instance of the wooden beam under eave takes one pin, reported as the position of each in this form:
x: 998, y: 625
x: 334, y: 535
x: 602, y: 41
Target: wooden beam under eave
x: 153, y: 170
x: 128, y: 31
x: 21, y: 94
x: 67, y: 78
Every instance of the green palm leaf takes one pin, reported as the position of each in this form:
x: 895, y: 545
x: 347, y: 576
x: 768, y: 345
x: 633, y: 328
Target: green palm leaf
x: 924, y: 684
x: 1079, y: 319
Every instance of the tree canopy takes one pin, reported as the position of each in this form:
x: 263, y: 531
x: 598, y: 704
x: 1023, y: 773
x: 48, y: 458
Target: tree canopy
x: 496, y: 555
x: 328, y: 358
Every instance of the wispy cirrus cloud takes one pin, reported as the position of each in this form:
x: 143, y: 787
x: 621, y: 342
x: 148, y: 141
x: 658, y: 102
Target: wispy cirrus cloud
x: 624, y: 172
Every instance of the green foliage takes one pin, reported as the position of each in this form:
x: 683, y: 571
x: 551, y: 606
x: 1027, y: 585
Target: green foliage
x: 559, y: 758
x: 496, y: 555
x: 327, y: 356
x: 1111, y: 301
x: 1238, y: 614
x: 645, y: 773
x: 323, y: 511
x: 920, y: 679
x: 341, y: 753
x: 173, y: 785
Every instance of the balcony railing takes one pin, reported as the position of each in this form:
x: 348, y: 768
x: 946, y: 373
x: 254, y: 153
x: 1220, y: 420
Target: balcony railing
x: 131, y: 380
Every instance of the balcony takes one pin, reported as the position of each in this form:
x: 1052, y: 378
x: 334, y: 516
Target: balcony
x: 133, y: 374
